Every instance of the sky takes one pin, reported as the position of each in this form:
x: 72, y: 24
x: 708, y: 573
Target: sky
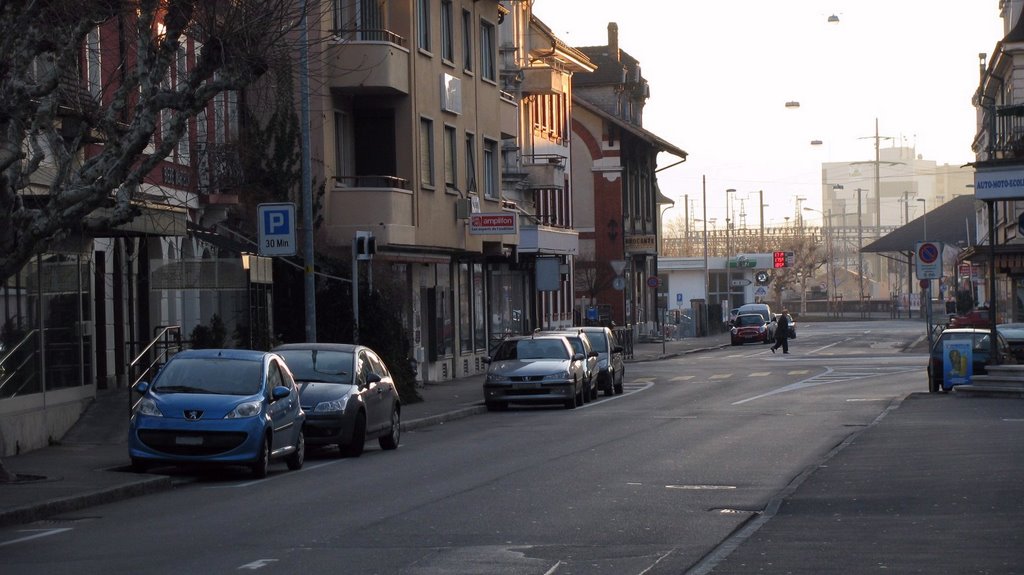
x: 721, y: 73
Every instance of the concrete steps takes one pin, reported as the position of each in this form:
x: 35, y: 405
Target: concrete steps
x: 999, y: 381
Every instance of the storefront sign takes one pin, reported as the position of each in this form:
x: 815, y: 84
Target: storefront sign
x: 1006, y: 184
x: 648, y: 243
x: 496, y: 224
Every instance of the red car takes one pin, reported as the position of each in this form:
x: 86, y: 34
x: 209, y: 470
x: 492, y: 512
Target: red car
x: 750, y: 327
x: 975, y: 318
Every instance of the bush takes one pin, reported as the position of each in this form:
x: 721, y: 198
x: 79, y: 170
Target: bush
x: 209, y: 337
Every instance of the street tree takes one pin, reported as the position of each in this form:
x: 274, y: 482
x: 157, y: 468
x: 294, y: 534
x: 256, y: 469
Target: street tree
x: 84, y: 122
x: 808, y: 256
x: 69, y: 147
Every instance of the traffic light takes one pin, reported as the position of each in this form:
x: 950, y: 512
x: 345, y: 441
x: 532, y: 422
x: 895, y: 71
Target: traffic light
x: 365, y: 245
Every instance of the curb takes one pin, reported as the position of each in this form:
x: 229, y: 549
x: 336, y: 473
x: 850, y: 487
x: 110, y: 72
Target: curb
x: 36, y: 512
x: 442, y: 417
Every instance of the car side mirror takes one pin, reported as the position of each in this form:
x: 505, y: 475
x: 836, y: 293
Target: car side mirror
x: 372, y: 378
x: 578, y: 357
x: 617, y: 349
x: 487, y: 359
x: 594, y: 354
x: 142, y: 387
x: 280, y: 392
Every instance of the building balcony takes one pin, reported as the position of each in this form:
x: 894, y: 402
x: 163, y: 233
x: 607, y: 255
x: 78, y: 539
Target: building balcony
x: 379, y: 204
x: 545, y: 171
x: 368, y: 61
x: 542, y: 80
x: 542, y: 239
x: 508, y: 112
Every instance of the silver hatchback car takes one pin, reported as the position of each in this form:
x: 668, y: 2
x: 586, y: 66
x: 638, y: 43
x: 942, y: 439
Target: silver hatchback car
x: 534, y: 369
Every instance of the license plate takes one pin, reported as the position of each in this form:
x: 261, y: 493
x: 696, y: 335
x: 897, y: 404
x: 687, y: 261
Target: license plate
x: 525, y: 386
x: 188, y: 440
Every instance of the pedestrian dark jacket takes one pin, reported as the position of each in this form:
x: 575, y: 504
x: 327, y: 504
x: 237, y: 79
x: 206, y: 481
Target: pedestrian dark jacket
x: 782, y: 327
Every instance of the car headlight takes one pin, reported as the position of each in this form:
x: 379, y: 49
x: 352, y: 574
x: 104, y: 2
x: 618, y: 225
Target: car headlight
x: 560, y: 376
x: 247, y: 409
x: 331, y: 406
x: 497, y: 380
x: 148, y: 407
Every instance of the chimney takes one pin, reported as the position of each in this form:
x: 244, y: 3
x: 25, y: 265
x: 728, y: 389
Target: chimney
x: 613, y: 41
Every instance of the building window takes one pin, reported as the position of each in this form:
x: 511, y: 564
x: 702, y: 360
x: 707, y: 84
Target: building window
x: 447, y: 33
x: 465, y: 309
x: 491, y: 169
x: 479, y: 313
x: 467, y: 40
x: 488, y: 64
x: 450, y: 157
x: 427, y: 152
x: 342, y: 151
x: 423, y: 17
x: 92, y: 59
x: 470, y: 163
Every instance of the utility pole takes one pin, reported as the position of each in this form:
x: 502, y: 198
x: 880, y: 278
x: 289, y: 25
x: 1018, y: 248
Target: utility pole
x: 860, y: 254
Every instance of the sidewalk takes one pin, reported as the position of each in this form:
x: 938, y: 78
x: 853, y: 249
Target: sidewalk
x: 89, y: 465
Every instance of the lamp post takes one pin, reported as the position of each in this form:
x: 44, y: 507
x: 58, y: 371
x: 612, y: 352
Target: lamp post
x: 860, y: 254
x: 829, y: 254
x: 728, y: 244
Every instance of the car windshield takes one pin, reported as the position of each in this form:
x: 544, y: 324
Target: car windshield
x: 751, y: 319
x: 598, y: 343
x: 1012, y: 330
x: 328, y: 366
x: 222, y: 376
x: 531, y: 349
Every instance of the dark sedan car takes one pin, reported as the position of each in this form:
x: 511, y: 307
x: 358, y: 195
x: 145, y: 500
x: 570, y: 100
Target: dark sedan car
x: 959, y: 353
x: 1014, y: 334
x: 347, y: 393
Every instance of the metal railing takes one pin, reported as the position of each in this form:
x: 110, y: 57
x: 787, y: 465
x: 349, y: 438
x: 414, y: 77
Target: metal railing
x: 9, y: 372
x: 165, y: 344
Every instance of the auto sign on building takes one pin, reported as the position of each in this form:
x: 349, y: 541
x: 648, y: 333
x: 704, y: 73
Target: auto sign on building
x: 929, y: 260
x: 496, y: 224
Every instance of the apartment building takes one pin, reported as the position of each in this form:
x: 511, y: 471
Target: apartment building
x: 998, y: 253
x: 617, y: 201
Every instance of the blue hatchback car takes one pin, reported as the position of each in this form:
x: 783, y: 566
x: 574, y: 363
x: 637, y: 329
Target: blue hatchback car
x: 224, y: 406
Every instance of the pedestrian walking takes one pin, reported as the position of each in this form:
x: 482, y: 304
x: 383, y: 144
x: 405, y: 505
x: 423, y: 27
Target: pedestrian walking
x: 782, y: 332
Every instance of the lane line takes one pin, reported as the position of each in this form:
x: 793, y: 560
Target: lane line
x: 41, y: 533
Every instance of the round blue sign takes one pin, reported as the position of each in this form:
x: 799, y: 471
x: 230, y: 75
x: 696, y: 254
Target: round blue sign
x: 928, y: 253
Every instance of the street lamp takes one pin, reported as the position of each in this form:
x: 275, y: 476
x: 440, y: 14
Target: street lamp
x: 829, y: 253
x: 728, y: 244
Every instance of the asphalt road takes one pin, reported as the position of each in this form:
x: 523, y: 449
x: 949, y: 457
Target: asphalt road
x: 657, y: 480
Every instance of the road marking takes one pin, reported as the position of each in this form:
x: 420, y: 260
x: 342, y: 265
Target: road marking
x: 760, y: 373
x: 721, y: 376
x: 799, y: 372
x: 682, y: 378
x: 258, y: 564
x: 36, y: 534
x: 700, y: 487
x: 628, y: 388
x: 832, y: 375
x: 305, y: 468
x: 554, y: 568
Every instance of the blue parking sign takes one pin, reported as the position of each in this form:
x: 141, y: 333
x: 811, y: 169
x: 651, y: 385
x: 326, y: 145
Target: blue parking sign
x: 276, y: 229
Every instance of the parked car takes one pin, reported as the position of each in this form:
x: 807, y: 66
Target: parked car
x: 581, y: 344
x: 534, y: 369
x: 974, y: 318
x: 979, y: 340
x: 348, y: 395
x: 749, y: 328
x: 1014, y: 335
x: 223, y: 406
x: 611, y: 367
x: 765, y: 311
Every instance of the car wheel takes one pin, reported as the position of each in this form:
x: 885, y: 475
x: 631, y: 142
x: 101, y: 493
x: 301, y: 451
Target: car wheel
x: 734, y: 342
x: 262, y: 463
x: 390, y: 441
x: 593, y: 389
x: 298, y: 457
x: 618, y: 386
x: 571, y: 402
x: 139, y: 465
x: 581, y: 394
x: 354, y: 448
x: 609, y: 387
x: 496, y: 405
